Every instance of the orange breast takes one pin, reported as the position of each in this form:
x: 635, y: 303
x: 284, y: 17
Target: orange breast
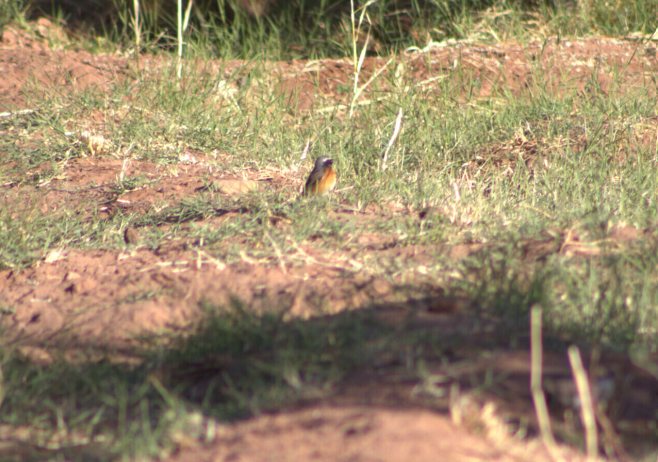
x: 328, y: 181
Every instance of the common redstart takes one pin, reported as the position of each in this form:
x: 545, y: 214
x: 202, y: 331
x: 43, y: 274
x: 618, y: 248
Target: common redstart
x: 322, y: 179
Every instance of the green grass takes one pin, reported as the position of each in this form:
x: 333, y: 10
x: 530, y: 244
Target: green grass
x: 591, y: 173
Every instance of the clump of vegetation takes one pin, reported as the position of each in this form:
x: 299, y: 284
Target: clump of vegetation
x: 313, y: 29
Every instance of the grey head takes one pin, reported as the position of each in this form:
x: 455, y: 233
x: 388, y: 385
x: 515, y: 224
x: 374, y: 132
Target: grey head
x: 322, y: 161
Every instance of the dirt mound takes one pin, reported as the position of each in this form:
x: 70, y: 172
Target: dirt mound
x: 367, y: 434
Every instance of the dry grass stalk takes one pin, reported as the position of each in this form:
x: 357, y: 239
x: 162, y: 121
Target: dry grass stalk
x: 136, y: 25
x: 586, y: 405
x: 391, y: 142
x: 538, y: 397
x: 182, y: 26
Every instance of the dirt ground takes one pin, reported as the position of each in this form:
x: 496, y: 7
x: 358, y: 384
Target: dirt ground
x: 105, y: 298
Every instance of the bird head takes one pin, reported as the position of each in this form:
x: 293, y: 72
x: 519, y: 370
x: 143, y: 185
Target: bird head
x: 323, y: 161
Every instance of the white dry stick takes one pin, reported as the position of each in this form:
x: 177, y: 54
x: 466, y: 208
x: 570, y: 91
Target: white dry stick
x: 186, y: 19
x: 127, y: 151
x: 305, y: 152
x: 586, y: 406
x: 124, y: 168
x: 396, y: 132
x: 19, y: 112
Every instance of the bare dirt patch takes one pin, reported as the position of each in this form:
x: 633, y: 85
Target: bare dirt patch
x: 351, y: 433
x: 562, y: 66
x: 25, y: 56
x: 311, y: 85
x: 108, y: 298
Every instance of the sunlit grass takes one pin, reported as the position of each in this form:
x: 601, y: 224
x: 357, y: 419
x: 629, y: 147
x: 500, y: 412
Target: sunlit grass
x: 534, y: 182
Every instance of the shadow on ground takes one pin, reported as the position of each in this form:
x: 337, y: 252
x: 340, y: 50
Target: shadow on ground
x: 339, y: 387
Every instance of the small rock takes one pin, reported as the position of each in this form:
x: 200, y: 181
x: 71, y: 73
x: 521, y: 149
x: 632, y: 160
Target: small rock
x: 71, y: 276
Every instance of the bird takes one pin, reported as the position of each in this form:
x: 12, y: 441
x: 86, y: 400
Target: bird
x: 322, y: 179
